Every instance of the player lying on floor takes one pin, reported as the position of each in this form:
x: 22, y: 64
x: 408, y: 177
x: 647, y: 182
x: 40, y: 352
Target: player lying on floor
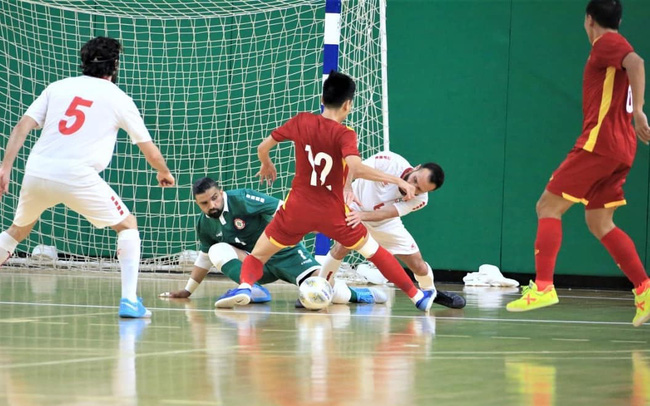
x: 380, y: 207
x: 230, y: 223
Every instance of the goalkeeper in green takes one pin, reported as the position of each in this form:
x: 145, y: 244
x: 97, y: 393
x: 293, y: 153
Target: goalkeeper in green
x: 230, y: 223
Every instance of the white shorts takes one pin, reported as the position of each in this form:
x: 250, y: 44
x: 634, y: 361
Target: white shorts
x: 97, y: 202
x: 394, y: 237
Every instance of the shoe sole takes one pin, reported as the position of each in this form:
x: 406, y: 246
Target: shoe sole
x: 519, y: 310
x: 230, y: 302
x: 128, y: 316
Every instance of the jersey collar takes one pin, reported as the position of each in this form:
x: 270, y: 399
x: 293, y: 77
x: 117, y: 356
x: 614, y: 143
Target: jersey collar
x: 222, y: 220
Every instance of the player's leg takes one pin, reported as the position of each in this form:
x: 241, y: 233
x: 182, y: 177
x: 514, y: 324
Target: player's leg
x: 36, y: 196
x: 252, y: 271
x: 599, y: 215
x: 394, y: 272
x: 102, y: 207
x: 548, y: 240
x: 424, y: 276
x: 332, y: 262
x: 228, y: 260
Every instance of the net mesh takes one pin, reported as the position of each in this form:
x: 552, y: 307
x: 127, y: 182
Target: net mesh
x: 211, y: 78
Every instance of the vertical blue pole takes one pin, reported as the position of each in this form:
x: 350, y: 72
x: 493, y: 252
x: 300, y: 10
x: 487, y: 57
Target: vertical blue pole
x: 332, y: 37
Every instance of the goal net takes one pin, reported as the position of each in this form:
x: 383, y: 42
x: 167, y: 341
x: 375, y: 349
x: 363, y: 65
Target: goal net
x: 211, y: 78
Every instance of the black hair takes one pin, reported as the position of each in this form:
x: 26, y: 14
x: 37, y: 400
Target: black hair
x: 203, y: 184
x: 437, y: 174
x: 607, y: 13
x: 99, y: 57
x: 337, y: 89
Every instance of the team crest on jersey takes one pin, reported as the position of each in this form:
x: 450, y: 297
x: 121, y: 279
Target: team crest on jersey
x: 239, y: 224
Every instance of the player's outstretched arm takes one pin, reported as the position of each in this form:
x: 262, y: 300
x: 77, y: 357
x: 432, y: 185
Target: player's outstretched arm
x: 197, y: 276
x: 155, y: 159
x: 354, y: 218
x: 635, y: 68
x: 16, y: 141
x: 267, y: 171
x: 359, y: 170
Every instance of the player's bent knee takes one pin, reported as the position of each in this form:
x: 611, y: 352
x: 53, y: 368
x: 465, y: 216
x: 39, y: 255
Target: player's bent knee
x: 338, y: 251
x: 221, y: 253
x: 369, y: 248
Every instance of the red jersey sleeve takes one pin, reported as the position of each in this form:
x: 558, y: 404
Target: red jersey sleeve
x: 288, y: 131
x: 349, y: 144
x: 610, y: 50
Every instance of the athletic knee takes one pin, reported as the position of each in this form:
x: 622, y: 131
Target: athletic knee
x: 551, y: 206
x: 129, y: 223
x: 600, y: 228
x: 338, y: 251
x: 369, y: 248
x: 221, y: 253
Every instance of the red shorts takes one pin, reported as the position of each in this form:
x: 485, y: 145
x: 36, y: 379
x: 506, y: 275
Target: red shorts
x: 297, y: 218
x: 593, y: 180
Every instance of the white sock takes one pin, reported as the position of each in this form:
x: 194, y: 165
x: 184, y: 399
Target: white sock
x: 329, y: 268
x: 426, y: 281
x: 128, y: 253
x: 415, y: 299
x: 342, y: 293
x: 7, y: 246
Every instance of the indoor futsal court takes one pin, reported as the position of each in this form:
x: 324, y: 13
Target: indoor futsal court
x: 529, y: 111
x: 61, y: 344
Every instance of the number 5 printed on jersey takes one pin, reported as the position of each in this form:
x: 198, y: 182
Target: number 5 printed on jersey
x: 317, y: 161
x: 70, y: 127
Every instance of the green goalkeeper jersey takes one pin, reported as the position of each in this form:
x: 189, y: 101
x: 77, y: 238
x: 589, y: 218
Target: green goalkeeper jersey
x: 245, y: 214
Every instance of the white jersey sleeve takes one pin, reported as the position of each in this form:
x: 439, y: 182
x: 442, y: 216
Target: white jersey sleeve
x: 131, y: 121
x: 415, y: 204
x: 38, y: 109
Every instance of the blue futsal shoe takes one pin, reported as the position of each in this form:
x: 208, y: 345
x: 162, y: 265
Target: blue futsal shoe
x: 132, y: 310
x: 425, y: 303
x: 236, y: 296
x: 370, y: 295
x: 260, y: 294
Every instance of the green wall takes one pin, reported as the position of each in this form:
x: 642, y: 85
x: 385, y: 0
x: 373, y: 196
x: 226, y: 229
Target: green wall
x: 492, y: 91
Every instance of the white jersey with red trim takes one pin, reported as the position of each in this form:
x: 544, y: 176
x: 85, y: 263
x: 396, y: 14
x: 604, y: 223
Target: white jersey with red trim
x: 375, y: 195
x: 80, y: 117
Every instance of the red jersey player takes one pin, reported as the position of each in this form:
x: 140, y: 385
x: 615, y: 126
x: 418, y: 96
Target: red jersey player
x: 595, y: 170
x: 325, y: 151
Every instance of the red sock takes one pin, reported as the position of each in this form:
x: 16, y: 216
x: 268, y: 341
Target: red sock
x: 252, y: 270
x: 621, y: 247
x: 547, y: 245
x: 393, y: 271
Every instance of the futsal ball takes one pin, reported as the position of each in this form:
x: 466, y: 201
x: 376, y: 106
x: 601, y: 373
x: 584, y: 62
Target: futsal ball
x: 315, y: 293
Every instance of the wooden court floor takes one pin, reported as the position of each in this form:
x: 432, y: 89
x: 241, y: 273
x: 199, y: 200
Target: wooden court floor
x: 61, y: 343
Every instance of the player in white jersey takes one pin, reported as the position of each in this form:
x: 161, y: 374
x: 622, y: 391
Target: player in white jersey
x: 380, y: 206
x: 80, y: 118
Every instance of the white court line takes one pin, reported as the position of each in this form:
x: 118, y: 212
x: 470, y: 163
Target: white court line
x: 571, y: 339
x: 97, y: 359
x: 511, y: 338
x: 188, y: 402
x: 628, y: 341
x: 416, y: 315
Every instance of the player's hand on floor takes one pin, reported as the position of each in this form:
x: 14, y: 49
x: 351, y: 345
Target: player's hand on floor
x: 641, y: 127
x: 353, y: 218
x: 267, y: 173
x: 179, y: 294
x: 165, y: 179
